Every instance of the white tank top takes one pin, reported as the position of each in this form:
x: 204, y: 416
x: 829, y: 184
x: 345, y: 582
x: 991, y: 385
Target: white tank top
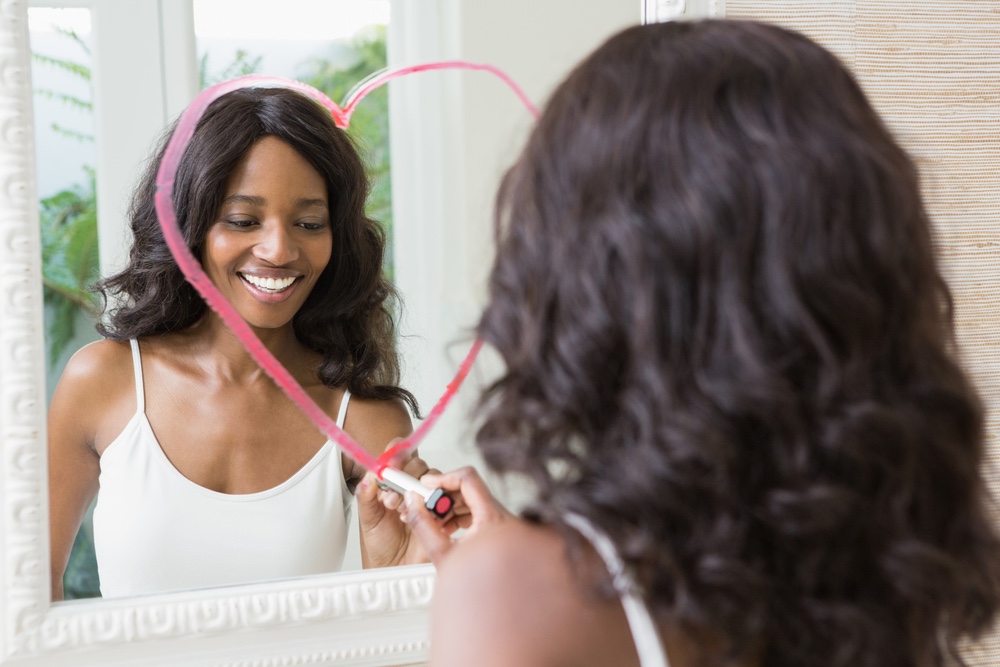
x: 640, y: 621
x: 155, y: 530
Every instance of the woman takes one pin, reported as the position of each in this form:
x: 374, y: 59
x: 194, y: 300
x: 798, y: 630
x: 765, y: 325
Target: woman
x: 728, y: 372
x: 208, y: 474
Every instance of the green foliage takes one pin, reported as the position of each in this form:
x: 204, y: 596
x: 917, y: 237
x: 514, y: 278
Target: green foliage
x: 70, y: 133
x: 370, y: 123
x: 243, y: 64
x: 81, y: 579
x: 69, y: 261
x: 68, y: 226
x: 69, y: 100
x: 75, y: 69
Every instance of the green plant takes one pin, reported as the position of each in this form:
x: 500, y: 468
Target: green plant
x: 70, y: 262
x: 370, y: 123
x: 243, y: 64
x: 72, y: 68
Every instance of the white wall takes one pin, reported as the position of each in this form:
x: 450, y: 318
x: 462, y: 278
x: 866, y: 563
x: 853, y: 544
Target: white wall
x: 452, y: 136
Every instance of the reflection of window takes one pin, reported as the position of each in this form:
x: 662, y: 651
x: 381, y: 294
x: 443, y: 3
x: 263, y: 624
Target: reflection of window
x: 65, y: 156
x: 329, y: 45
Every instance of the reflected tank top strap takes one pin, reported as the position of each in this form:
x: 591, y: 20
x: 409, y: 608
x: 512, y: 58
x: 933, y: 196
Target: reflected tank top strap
x: 640, y: 621
x: 140, y: 394
x: 342, y: 413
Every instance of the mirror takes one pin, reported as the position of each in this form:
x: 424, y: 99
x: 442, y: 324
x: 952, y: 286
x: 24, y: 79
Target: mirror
x: 444, y: 185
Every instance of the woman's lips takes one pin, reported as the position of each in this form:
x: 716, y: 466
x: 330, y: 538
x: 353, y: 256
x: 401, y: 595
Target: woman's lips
x: 271, y: 290
x: 269, y: 284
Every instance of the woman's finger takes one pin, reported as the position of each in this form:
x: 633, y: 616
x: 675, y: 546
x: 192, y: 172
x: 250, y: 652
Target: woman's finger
x: 475, y: 494
x: 427, y: 528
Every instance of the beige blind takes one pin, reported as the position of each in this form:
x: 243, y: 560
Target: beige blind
x: 932, y: 69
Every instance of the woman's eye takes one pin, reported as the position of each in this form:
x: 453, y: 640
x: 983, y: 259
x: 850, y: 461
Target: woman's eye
x: 239, y: 222
x: 312, y: 226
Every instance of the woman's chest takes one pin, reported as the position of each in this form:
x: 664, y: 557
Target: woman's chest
x: 234, y: 440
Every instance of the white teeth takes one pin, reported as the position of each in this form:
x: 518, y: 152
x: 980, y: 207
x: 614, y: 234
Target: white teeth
x: 269, y: 284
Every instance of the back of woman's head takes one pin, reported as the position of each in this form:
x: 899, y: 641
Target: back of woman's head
x: 727, y: 344
x: 346, y: 317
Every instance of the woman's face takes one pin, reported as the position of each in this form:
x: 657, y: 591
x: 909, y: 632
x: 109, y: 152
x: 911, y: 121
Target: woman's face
x: 271, y: 238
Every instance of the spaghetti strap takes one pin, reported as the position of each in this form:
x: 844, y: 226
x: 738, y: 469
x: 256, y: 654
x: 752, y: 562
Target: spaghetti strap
x: 644, y: 631
x: 140, y: 394
x: 343, y: 408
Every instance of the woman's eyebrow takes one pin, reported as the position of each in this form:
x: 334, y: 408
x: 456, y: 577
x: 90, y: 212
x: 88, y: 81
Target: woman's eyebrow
x: 253, y: 200
x: 244, y: 199
x: 310, y: 201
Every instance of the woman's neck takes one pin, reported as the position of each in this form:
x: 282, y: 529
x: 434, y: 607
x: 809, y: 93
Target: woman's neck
x: 220, y: 351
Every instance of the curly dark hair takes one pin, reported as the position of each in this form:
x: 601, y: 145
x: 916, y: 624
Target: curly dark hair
x: 728, y: 346
x: 347, y: 316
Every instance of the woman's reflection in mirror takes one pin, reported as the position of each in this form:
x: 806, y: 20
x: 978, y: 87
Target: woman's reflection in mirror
x: 730, y: 372
x: 208, y: 474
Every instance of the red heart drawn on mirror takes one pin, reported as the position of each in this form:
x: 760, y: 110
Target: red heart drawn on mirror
x: 195, y: 274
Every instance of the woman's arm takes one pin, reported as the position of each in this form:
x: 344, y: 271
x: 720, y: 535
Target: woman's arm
x: 501, y: 598
x: 79, y: 401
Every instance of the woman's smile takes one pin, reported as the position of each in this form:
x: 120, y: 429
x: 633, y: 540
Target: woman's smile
x: 269, y: 285
x: 271, y: 289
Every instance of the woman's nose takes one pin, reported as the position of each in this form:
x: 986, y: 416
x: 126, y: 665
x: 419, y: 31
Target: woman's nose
x: 276, y: 245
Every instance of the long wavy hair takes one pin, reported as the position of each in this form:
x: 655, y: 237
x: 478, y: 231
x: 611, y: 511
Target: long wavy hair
x: 728, y: 346
x: 347, y: 317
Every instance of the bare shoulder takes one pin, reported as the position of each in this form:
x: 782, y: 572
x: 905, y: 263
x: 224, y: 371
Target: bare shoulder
x: 97, y: 372
x: 510, y: 595
x: 98, y: 360
x: 505, y: 564
x: 95, y: 395
x: 493, y: 599
x: 501, y: 597
x: 374, y: 423
x: 517, y: 597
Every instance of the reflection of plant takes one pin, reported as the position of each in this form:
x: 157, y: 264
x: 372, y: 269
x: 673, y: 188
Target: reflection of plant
x: 243, y: 64
x: 370, y: 121
x: 81, y: 579
x: 68, y: 226
x: 78, y: 70
x: 69, y: 261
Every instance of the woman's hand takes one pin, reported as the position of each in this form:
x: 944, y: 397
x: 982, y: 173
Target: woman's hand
x: 385, y: 541
x: 475, y: 509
